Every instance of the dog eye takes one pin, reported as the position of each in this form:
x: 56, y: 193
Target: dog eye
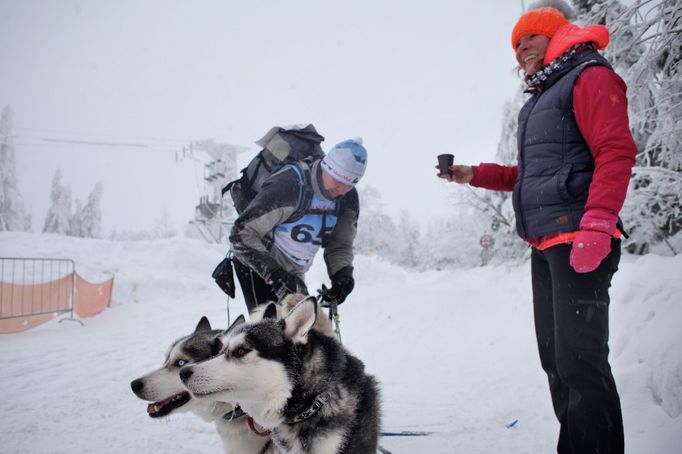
x: 180, y: 363
x: 240, y: 351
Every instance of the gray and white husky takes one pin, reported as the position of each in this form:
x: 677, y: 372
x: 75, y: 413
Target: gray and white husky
x: 312, y: 394
x: 165, y: 390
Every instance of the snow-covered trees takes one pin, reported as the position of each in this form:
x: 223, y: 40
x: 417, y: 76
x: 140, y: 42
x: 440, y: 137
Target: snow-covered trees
x: 646, y: 50
x: 377, y: 234
x: 58, y: 215
x: 12, y: 214
x: 84, y: 221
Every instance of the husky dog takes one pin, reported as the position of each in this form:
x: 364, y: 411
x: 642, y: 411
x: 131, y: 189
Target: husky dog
x: 164, y: 389
x: 312, y: 394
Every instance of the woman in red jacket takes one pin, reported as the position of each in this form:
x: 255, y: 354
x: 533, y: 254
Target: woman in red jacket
x: 575, y: 156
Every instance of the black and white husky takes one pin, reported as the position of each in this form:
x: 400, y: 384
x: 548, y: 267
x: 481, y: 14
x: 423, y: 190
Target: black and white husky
x: 165, y: 390
x: 302, y: 385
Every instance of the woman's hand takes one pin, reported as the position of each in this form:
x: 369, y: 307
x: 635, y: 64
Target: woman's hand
x: 459, y: 174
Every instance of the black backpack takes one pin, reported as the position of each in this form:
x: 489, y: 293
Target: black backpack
x: 281, y: 146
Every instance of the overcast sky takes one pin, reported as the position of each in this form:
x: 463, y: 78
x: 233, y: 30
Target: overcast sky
x: 413, y: 78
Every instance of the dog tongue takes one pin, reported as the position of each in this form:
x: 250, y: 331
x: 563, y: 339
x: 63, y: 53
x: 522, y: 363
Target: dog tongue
x: 165, y: 406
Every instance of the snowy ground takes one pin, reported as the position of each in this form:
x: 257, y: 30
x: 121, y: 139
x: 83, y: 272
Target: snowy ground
x: 454, y: 352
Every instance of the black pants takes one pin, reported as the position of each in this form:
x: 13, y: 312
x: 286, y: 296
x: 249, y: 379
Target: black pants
x: 572, y: 328
x: 254, y: 288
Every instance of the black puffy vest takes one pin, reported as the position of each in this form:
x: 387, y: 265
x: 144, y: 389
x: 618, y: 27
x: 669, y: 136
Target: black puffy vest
x: 555, y: 163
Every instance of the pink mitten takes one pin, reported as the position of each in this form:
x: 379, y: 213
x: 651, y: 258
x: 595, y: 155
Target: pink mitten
x: 593, y: 242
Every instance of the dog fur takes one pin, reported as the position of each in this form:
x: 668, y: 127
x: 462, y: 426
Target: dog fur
x: 277, y: 368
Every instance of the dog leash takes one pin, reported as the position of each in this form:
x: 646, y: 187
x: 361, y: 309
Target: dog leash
x: 333, y: 307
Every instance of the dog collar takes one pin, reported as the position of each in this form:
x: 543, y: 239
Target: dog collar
x: 237, y: 412
x: 254, y: 429
x: 320, y: 401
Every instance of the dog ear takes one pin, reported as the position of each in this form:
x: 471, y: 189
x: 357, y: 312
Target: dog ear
x: 203, y: 325
x: 216, y: 346
x: 239, y: 321
x: 300, y: 320
x: 270, y: 311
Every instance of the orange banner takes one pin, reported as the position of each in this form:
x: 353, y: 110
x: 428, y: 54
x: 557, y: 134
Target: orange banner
x: 91, y: 299
x: 24, y: 306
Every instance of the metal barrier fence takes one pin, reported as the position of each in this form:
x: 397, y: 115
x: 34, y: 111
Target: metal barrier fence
x: 36, y: 287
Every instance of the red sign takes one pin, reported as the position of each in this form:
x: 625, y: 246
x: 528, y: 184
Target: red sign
x: 487, y: 241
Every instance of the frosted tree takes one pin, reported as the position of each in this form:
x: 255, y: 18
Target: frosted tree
x: 377, y: 233
x: 492, y: 212
x: 76, y: 220
x: 409, y: 250
x: 90, y: 219
x: 58, y: 216
x: 453, y: 241
x: 12, y: 214
x: 646, y: 50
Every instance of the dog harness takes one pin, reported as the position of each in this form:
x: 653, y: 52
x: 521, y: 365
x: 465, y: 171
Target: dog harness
x: 320, y: 401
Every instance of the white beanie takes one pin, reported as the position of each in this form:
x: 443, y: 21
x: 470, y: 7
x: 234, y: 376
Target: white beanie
x: 346, y: 162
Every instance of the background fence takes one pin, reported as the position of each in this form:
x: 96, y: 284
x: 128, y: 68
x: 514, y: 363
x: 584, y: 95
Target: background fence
x: 35, y: 290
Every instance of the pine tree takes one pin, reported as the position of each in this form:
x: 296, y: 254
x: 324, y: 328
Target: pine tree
x: 58, y: 216
x: 12, y: 214
x: 377, y: 234
x: 90, y: 219
x: 76, y: 220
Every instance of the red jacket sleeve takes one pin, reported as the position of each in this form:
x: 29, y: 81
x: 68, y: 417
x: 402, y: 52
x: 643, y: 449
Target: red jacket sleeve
x: 495, y: 177
x: 601, y: 111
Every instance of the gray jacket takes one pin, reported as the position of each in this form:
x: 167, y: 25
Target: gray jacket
x: 266, y: 237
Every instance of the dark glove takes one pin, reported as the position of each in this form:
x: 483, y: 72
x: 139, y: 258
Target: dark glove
x: 283, y: 283
x: 224, y: 276
x: 342, y: 284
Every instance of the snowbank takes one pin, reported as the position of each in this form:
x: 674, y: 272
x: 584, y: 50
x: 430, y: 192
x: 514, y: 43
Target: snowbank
x: 454, y: 352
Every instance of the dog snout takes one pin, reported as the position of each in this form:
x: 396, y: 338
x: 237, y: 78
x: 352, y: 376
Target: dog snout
x: 137, y: 385
x: 185, y: 373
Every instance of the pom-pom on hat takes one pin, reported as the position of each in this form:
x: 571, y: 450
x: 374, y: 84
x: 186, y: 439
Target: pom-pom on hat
x: 541, y: 21
x: 346, y: 162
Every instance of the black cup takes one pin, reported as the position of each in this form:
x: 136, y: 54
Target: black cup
x: 444, y: 162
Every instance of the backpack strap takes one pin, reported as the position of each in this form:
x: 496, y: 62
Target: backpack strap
x: 305, y: 190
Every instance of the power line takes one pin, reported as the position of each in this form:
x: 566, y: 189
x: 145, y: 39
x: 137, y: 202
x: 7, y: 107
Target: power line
x: 48, y: 131
x: 87, y: 142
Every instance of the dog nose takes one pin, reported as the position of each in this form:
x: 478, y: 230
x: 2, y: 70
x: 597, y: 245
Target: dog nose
x: 185, y: 373
x: 137, y: 385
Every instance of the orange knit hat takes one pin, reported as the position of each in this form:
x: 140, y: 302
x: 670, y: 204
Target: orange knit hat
x: 541, y: 21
